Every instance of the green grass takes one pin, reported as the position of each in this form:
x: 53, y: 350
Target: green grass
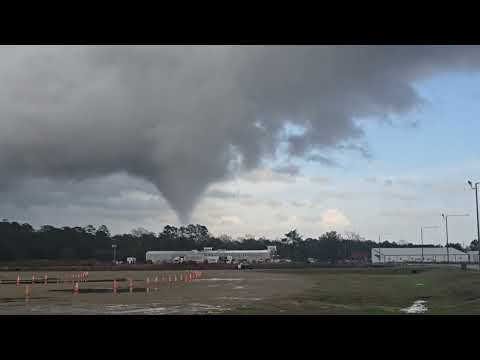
x: 378, y: 292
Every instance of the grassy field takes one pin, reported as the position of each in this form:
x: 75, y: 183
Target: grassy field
x: 378, y: 291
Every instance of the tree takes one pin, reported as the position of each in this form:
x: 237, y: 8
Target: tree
x: 103, y: 229
x: 225, y: 238
x: 474, y: 245
x: 90, y: 229
x: 139, y: 232
x: 353, y: 236
x: 292, y: 237
x: 456, y: 246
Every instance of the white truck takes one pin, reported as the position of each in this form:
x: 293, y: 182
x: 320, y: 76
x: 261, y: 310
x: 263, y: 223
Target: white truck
x: 213, y: 259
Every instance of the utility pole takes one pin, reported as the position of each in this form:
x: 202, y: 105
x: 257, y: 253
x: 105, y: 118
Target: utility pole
x: 445, y: 217
x: 446, y: 230
x: 421, y: 235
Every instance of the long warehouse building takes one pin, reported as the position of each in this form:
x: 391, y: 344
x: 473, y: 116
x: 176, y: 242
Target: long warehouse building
x: 430, y: 255
x: 211, y: 256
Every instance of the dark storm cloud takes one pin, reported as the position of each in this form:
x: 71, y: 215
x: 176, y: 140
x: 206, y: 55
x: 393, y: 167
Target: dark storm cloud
x: 183, y: 117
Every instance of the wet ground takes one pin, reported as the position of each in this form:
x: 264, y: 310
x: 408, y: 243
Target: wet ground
x: 143, y: 292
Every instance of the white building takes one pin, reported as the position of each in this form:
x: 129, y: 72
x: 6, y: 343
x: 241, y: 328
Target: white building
x: 208, y: 254
x: 430, y: 255
x: 473, y: 256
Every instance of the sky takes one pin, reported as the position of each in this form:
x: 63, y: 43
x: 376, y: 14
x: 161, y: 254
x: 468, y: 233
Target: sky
x: 377, y: 140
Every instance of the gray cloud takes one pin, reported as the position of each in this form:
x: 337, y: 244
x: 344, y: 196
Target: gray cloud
x: 321, y: 180
x: 322, y: 160
x: 184, y: 117
x: 220, y: 194
x: 290, y: 169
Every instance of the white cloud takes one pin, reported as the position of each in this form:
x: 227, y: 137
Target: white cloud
x: 334, y: 218
x: 229, y: 220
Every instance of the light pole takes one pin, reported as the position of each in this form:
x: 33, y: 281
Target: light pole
x: 114, y: 247
x: 478, y: 226
x: 445, y: 217
x: 421, y: 234
x: 379, y: 244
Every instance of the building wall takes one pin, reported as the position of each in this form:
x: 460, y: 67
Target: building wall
x: 201, y: 256
x: 386, y: 256
x: 473, y: 256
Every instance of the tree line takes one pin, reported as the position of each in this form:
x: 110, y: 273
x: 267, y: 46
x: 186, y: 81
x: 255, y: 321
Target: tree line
x: 21, y: 242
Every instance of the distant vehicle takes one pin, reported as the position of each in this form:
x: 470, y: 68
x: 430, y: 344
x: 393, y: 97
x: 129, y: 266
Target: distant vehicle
x: 179, y: 260
x: 244, y: 266
x: 131, y: 260
x: 213, y: 259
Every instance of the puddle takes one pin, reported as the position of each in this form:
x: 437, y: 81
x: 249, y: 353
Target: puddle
x: 201, y: 308
x: 418, y: 307
x: 239, y: 298
x: 123, y: 309
x: 101, y: 290
x: 143, y: 311
x: 219, y: 279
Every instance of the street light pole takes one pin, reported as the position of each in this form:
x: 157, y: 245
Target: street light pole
x: 379, y: 244
x: 421, y: 237
x: 114, y: 246
x: 478, y: 225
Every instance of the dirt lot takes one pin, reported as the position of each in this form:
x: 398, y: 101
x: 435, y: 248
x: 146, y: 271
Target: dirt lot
x: 215, y: 292
x: 395, y: 290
